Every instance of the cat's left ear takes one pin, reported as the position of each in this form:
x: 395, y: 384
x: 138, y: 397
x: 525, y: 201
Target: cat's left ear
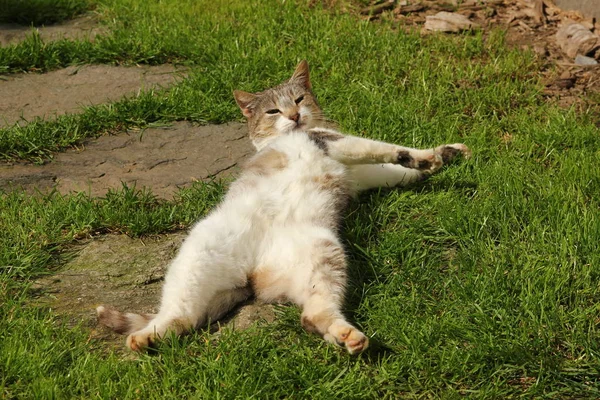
x: 301, y: 74
x: 243, y: 99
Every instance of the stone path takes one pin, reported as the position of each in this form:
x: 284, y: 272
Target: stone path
x: 162, y: 159
x: 69, y: 90
x: 126, y: 274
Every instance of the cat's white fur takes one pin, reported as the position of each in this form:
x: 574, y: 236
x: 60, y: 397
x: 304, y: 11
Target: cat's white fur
x: 275, y: 234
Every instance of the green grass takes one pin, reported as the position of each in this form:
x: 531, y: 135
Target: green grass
x: 481, y: 282
x: 41, y: 12
x: 405, y: 81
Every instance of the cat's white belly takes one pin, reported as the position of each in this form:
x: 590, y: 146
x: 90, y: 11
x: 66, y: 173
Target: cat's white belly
x: 266, y: 227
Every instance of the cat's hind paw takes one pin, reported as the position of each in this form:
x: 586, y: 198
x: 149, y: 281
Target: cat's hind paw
x: 140, y: 341
x: 356, y: 342
x: 347, y: 336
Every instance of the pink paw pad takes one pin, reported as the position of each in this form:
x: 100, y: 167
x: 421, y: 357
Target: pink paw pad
x: 356, y: 342
x: 139, y: 342
x: 352, y: 339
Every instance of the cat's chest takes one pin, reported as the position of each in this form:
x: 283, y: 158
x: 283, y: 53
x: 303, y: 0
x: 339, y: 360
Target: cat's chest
x: 311, y: 178
x: 290, y: 175
x: 306, y: 157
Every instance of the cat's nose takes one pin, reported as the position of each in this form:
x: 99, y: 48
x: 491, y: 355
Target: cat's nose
x: 295, y: 117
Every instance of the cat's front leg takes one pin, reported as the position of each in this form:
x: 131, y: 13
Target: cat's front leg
x: 352, y: 150
x: 430, y: 160
x: 419, y: 165
x: 371, y: 176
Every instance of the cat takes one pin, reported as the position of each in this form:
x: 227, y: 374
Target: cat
x: 275, y: 235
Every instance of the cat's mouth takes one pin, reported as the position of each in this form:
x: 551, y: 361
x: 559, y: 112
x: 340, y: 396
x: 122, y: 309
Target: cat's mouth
x: 295, y: 126
x: 298, y: 128
x: 300, y: 125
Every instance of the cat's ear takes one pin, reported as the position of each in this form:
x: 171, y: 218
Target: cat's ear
x: 301, y: 74
x: 243, y: 99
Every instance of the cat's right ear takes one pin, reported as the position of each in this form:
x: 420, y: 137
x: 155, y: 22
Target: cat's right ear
x: 243, y: 99
x: 302, y: 75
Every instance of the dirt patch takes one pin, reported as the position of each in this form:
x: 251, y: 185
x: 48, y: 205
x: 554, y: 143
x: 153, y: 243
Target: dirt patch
x: 26, y: 96
x: 529, y: 25
x: 127, y: 274
x: 162, y: 159
x: 81, y: 28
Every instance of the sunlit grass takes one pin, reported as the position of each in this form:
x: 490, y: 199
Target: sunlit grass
x: 481, y: 282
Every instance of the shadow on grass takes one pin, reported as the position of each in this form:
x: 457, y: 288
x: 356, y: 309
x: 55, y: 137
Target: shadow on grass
x: 359, y: 257
x: 41, y: 12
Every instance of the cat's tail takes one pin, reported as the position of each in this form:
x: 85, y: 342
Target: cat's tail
x: 124, y: 323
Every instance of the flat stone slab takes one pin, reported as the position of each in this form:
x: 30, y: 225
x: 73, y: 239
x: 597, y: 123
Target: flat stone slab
x: 127, y: 274
x: 117, y: 270
x: 68, y: 90
x: 162, y: 159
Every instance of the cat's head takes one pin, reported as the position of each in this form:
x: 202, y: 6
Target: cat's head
x: 282, y: 109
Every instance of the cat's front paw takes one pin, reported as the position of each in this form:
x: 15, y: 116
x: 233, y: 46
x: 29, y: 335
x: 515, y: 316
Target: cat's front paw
x: 427, y: 163
x: 449, y: 151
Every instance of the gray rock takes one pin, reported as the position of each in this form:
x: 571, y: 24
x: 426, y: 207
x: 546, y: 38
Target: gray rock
x: 448, y: 22
x: 583, y: 60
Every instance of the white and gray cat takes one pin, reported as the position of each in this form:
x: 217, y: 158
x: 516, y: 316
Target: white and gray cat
x: 275, y: 234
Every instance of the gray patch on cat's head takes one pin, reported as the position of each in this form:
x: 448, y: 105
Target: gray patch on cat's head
x: 281, y: 109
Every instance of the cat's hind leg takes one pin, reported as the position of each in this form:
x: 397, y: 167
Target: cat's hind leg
x: 204, y: 281
x: 129, y: 323
x: 307, y: 265
x: 324, y: 295
x: 179, y: 323
x: 319, y: 317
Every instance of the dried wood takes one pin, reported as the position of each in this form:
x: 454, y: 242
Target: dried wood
x: 412, y: 8
x: 482, y: 6
x: 524, y: 25
x: 378, y: 8
x: 448, y: 22
x: 550, y: 8
x: 538, y: 9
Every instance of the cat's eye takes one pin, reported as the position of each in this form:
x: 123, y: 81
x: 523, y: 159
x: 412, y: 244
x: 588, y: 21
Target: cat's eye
x: 273, y: 111
x: 299, y: 99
